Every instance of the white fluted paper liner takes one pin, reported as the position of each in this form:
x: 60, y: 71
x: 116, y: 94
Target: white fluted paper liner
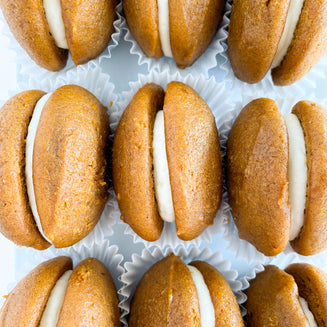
x: 308, y: 82
x: 99, y: 85
x: 140, y: 264
x: 242, y: 248
x: 201, y: 66
x: 218, y: 100
x: 26, y: 66
x: 107, y: 254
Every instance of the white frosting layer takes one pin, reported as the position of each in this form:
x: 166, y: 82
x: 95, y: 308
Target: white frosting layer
x: 52, y: 10
x: 160, y: 170
x: 307, y: 312
x: 297, y: 173
x: 52, y: 309
x: 292, y: 18
x: 163, y: 13
x: 32, y: 128
x: 207, y: 311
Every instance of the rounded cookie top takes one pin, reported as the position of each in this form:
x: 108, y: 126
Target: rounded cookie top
x: 16, y: 219
x: 313, y: 236
x: 69, y: 164
x: 132, y: 163
x: 257, y: 176
x: 166, y: 296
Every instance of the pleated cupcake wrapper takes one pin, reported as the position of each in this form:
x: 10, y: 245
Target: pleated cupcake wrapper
x: 218, y: 100
x: 308, y: 82
x: 240, y: 247
x: 99, y: 85
x: 138, y: 266
x: 201, y: 66
x: 108, y: 255
x: 26, y: 66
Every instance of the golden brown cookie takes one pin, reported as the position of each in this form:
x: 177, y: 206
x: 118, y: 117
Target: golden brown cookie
x: 194, y: 159
x: 227, y: 311
x: 312, y: 284
x: 193, y: 24
x: 254, y: 32
x: 91, y: 298
x: 132, y: 163
x: 16, y: 219
x: 308, y: 46
x: 26, y: 302
x: 88, y: 27
x: 313, y: 235
x: 27, y: 21
x: 142, y: 18
x: 69, y: 164
x: 273, y: 300
x: 257, y: 176
x: 166, y: 296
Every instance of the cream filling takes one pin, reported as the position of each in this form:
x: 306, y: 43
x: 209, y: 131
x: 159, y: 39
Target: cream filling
x: 53, y: 15
x: 160, y: 170
x: 297, y: 173
x: 163, y: 16
x: 207, y: 311
x: 307, y: 312
x: 52, y: 309
x: 29, y: 159
x: 292, y: 18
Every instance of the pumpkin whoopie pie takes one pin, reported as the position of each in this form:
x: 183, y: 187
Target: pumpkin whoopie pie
x: 52, y: 166
x: 47, y: 29
x: 167, y: 164
x: 53, y: 294
x: 287, y: 36
x: 180, y: 29
x: 277, y: 176
x: 294, y: 297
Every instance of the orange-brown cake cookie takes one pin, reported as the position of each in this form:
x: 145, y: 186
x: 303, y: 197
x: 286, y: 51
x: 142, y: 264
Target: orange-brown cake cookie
x: 16, y: 219
x: 260, y: 175
x: 296, y: 297
x: 196, y: 187
x: 132, y: 163
x: 313, y: 236
x: 288, y: 37
x: 84, y: 297
x: 91, y: 278
x: 58, y: 176
x: 87, y: 27
x: 273, y: 299
x: 194, y: 171
x: 167, y: 295
x: 257, y: 167
x: 191, y: 27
